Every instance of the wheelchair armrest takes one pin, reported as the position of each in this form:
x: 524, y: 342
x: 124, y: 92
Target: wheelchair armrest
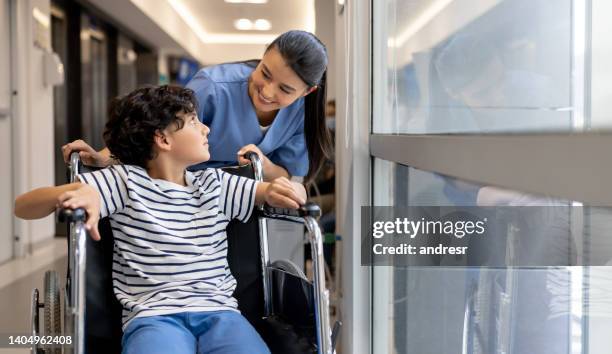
x: 71, y: 215
x: 308, y: 209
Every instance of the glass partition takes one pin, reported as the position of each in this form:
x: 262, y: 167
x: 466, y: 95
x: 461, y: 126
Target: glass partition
x: 441, y: 309
x: 477, y: 66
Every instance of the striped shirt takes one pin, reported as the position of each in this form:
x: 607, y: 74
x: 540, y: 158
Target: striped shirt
x: 170, y: 249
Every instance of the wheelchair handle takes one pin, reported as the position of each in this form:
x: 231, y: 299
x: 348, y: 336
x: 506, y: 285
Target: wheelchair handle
x: 256, y: 163
x: 75, y: 161
x: 72, y: 215
x: 249, y: 155
x: 310, y: 209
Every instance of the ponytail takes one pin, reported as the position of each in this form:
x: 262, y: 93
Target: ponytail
x: 318, y: 138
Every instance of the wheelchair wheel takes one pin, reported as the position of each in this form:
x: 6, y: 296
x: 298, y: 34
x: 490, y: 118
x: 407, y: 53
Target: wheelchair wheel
x: 289, y: 267
x: 34, y: 321
x: 52, y: 319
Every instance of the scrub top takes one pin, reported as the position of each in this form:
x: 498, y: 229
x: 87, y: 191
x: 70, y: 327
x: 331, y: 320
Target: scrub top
x: 225, y: 107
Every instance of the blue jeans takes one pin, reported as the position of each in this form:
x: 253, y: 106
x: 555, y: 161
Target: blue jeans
x: 218, y: 332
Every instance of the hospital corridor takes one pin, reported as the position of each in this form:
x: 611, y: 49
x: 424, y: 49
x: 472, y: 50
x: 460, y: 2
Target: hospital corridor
x: 305, y: 176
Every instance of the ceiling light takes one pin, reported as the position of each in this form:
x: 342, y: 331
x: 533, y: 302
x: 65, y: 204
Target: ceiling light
x: 246, y: 1
x: 262, y: 24
x: 218, y: 38
x: 243, y: 24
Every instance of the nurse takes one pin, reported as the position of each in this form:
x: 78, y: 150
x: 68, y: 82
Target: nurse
x: 274, y: 107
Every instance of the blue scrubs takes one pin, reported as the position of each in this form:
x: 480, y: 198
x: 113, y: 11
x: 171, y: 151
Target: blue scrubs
x: 225, y: 107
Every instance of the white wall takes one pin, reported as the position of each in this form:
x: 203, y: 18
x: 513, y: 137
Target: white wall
x: 353, y: 170
x: 33, y: 128
x: 6, y: 174
x: 325, y: 11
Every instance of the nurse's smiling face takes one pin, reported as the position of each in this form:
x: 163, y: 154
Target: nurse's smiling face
x: 273, y: 84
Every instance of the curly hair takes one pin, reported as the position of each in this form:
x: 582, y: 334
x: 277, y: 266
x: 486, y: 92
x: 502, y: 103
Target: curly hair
x: 134, y: 119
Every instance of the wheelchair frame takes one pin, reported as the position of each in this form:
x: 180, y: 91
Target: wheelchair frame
x: 74, y: 300
x: 315, y: 237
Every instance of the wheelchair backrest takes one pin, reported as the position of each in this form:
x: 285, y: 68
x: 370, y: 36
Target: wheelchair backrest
x: 103, y: 311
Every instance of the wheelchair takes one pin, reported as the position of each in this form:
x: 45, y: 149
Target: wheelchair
x: 290, y: 312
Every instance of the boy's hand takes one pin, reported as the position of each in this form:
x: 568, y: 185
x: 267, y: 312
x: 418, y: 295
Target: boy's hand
x: 85, y: 197
x: 89, y: 156
x: 282, y: 193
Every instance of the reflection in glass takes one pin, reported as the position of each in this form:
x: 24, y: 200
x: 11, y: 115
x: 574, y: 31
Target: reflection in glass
x: 497, y: 310
x: 474, y: 66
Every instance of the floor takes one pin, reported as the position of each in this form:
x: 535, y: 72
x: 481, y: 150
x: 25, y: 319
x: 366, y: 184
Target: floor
x: 17, y: 280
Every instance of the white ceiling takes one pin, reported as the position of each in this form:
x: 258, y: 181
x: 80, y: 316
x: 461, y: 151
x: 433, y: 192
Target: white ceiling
x: 213, y: 23
x: 217, y: 16
x: 204, y: 29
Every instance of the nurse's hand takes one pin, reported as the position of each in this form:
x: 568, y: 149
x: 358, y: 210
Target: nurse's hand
x: 251, y: 147
x: 89, y: 156
x: 271, y: 171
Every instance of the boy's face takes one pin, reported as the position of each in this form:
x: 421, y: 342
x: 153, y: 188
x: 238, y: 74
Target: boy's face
x: 189, y: 143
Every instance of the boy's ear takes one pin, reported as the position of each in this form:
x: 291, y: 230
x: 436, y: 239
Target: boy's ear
x: 312, y: 89
x: 161, y: 141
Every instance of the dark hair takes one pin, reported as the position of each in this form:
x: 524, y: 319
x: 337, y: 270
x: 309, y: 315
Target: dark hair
x: 134, y: 119
x: 307, y: 57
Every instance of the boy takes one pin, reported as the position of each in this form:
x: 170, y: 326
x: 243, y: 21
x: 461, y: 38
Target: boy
x: 170, y: 271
